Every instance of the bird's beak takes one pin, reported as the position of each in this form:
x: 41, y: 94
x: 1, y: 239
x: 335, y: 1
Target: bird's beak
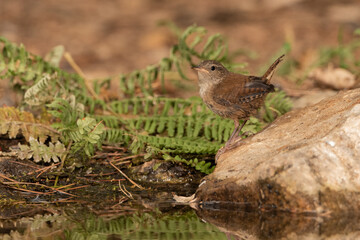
x: 197, y: 68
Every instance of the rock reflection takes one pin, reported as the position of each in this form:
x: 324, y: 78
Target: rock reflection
x: 281, y: 225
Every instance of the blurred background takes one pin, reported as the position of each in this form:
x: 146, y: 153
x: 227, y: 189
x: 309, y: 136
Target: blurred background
x: 110, y: 37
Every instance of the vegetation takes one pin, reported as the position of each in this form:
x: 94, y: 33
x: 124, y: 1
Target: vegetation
x: 343, y: 55
x: 143, y: 120
x: 64, y: 119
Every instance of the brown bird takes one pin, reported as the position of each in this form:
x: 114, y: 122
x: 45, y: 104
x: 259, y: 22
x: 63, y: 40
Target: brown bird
x: 233, y: 95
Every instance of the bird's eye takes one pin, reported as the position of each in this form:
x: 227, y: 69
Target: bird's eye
x: 212, y: 68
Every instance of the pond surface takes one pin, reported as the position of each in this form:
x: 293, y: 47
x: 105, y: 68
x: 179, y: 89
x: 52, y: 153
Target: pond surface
x: 83, y: 223
x: 166, y: 220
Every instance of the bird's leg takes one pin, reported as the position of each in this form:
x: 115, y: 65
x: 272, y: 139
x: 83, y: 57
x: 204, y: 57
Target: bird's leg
x: 236, y: 132
x: 234, y: 135
x: 242, y: 125
x: 236, y: 124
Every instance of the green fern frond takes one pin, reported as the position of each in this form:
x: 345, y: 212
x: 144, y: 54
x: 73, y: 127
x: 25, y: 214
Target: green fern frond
x: 87, y: 136
x: 276, y: 104
x: 178, y: 145
x: 67, y: 111
x: 84, y: 132
x: 18, y: 63
x: 27, y: 70
x: 202, y: 166
x: 158, y: 106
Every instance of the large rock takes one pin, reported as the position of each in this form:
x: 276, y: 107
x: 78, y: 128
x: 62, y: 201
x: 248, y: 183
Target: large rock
x: 306, y: 161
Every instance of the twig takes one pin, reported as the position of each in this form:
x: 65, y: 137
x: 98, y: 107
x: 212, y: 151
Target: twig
x: 30, y: 212
x: 65, y: 155
x: 89, y: 180
x: 114, y: 148
x: 45, y: 169
x: 44, y: 126
x: 42, y: 169
x: 97, y: 174
x: 65, y: 186
x: 96, y: 126
x: 124, y: 162
x: 24, y: 164
x: 78, y: 70
x: 112, y: 180
x: 126, y: 192
x: 134, y: 183
x: 121, y: 200
x: 99, y: 155
x: 5, y: 177
x: 65, y: 200
x: 77, y: 187
x: 101, y: 180
x: 26, y: 190
x: 38, y: 184
x: 128, y: 157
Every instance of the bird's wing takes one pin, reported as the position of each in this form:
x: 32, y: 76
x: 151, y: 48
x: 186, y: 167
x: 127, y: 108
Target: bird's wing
x: 237, y: 89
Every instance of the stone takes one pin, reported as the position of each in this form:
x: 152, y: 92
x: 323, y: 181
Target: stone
x: 336, y: 78
x: 306, y: 161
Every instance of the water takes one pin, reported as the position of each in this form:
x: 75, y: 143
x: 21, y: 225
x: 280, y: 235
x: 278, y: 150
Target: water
x: 81, y: 223
x: 153, y: 214
x: 166, y: 220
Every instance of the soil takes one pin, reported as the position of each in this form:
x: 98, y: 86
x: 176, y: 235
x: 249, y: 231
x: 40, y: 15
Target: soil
x: 111, y: 37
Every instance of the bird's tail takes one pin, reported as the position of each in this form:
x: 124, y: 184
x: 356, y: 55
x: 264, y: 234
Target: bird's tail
x: 269, y: 73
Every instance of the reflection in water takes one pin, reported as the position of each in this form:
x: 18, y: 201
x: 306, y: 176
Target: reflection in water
x: 147, y: 226
x: 81, y: 224
x: 178, y: 222
x: 280, y: 225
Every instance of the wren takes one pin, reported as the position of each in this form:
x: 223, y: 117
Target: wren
x: 231, y: 95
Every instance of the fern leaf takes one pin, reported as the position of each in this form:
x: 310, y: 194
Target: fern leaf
x: 202, y: 166
x: 40, y: 152
x: 36, y: 95
x: 276, y: 104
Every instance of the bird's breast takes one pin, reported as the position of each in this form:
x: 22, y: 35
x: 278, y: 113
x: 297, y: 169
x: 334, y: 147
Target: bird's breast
x: 205, y: 89
x: 207, y: 96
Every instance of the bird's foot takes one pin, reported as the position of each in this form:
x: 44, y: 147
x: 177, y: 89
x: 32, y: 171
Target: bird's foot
x: 219, y: 152
x: 237, y: 139
x: 246, y: 134
x: 228, y: 146
x: 232, y: 143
